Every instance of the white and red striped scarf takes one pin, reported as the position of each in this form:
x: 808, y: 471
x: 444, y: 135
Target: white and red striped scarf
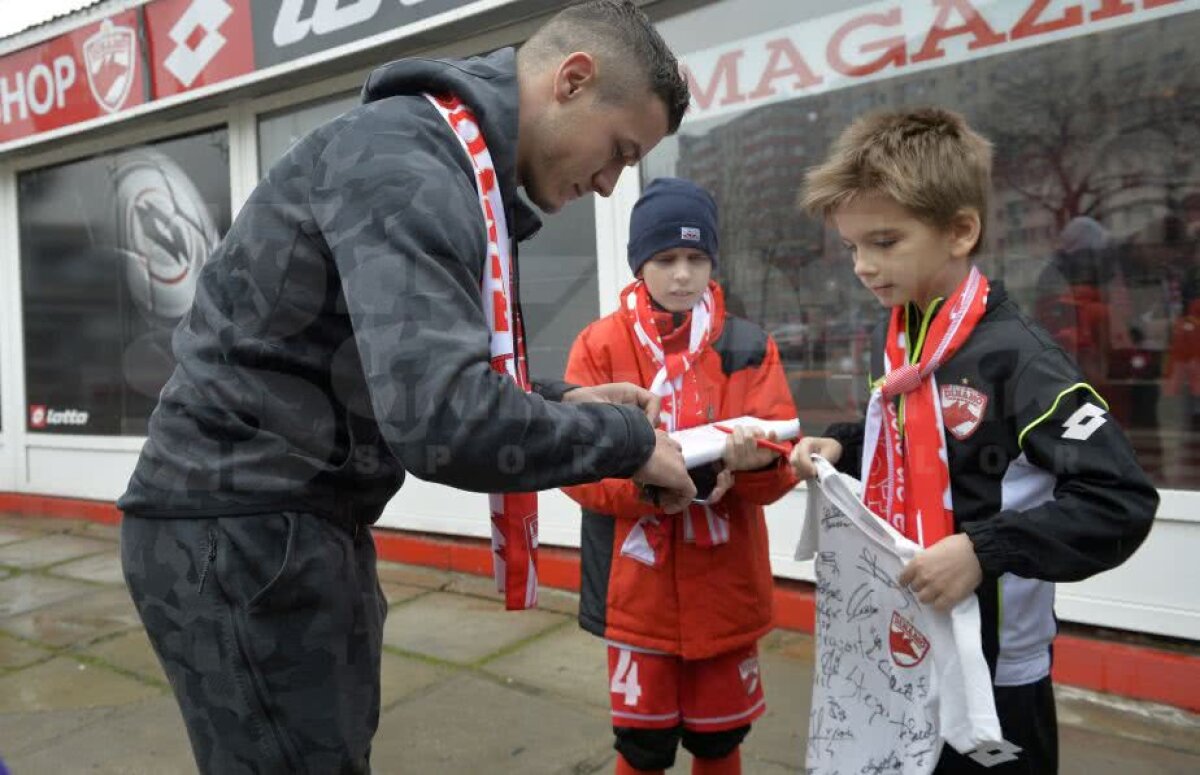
x: 682, y: 406
x: 514, y: 515
x: 907, y: 478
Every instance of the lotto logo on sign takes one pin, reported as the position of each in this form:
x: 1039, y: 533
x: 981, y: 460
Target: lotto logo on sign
x: 42, y: 417
x: 197, y: 38
x: 907, y: 644
x: 327, y: 16
x: 198, y: 42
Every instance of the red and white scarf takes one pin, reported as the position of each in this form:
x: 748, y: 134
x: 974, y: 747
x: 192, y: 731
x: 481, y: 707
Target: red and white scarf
x: 682, y: 406
x: 907, y: 475
x: 514, y: 515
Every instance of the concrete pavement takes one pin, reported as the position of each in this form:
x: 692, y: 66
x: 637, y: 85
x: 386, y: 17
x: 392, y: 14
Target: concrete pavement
x: 467, y: 688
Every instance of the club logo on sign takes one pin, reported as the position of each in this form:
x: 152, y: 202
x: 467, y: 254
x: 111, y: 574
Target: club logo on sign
x: 962, y: 410
x: 907, y: 644
x: 109, y: 61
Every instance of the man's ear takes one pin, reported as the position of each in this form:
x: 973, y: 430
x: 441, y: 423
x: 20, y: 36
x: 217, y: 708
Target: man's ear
x: 576, y: 73
x: 965, y: 229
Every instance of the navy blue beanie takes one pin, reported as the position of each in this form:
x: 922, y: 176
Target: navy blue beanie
x: 672, y: 213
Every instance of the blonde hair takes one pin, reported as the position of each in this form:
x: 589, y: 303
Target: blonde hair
x: 927, y: 159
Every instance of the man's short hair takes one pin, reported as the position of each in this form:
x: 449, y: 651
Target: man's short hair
x: 618, y: 34
x: 928, y: 160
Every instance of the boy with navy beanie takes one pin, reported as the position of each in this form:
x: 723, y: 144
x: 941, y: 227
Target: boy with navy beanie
x: 682, y: 599
x: 672, y: 213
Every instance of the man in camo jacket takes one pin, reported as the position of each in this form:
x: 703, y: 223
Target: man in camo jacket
x: 337, y: 341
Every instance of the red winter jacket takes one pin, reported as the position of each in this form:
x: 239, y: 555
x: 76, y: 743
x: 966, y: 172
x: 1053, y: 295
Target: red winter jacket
x: 699, y: 602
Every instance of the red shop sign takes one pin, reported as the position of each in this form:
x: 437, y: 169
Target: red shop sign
x: 164, y: 48
x: 92, y: 71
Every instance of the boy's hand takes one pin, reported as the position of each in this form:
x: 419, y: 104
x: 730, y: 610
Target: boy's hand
x: 742, y: 454
x: 617, y: 393
x: 801, y: 459
x: 724, y: 485
x: 944, y: 574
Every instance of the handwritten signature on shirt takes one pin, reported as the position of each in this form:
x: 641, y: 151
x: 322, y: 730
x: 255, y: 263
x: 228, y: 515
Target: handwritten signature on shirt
x: 860, y: 605
x: 868, y: 563
x: 827, y: 735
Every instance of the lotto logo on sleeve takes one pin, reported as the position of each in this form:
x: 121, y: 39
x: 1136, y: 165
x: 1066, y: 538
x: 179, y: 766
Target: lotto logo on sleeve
x: 1086, y: 421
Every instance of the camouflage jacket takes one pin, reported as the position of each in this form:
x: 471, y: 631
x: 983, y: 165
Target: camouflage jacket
x: 337, y: 339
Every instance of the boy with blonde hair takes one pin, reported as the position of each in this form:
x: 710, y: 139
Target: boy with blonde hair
x: 981, y: 441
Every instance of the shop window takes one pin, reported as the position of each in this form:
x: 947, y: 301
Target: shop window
x: 559, y: 286
x: 1069, y: 119
x: 279, y: 131
x: 110, y: 250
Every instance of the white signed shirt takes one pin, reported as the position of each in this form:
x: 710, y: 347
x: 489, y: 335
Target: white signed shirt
x: 893, y: 678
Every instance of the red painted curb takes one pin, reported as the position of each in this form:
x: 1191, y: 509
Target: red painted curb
x: 68, y: 508
x: 1140, y: 672
x: 558, y: 568
x: 1137, y: 672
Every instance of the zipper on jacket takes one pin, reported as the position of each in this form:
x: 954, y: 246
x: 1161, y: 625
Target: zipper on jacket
x: 208, y: 560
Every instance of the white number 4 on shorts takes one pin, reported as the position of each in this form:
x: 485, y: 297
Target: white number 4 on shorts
x: 625, y: 679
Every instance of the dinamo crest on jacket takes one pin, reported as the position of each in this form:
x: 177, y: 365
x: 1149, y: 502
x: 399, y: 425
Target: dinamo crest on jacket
x: 962, y: 410
x: 165, y: 233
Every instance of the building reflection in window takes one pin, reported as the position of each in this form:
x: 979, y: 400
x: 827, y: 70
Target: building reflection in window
x: 1095, y: 222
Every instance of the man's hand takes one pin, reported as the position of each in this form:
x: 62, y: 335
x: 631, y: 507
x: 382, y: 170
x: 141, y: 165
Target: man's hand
x: 665, y: 469
x: 944, y: 574
x: 801, y: 459
x: 743, y: 454
x: 617, y: 393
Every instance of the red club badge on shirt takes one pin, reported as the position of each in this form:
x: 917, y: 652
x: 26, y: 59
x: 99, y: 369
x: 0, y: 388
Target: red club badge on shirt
x: 907, y: 644
x: 962, y: 410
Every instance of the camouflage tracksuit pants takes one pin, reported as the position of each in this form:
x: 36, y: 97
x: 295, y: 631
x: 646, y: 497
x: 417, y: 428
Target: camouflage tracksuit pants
x: 269, y: 628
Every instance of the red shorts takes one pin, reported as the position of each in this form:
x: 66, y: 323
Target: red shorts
x: 651, y: 690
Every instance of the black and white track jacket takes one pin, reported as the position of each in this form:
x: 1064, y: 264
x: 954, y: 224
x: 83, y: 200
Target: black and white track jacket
x: 1043, y: 479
